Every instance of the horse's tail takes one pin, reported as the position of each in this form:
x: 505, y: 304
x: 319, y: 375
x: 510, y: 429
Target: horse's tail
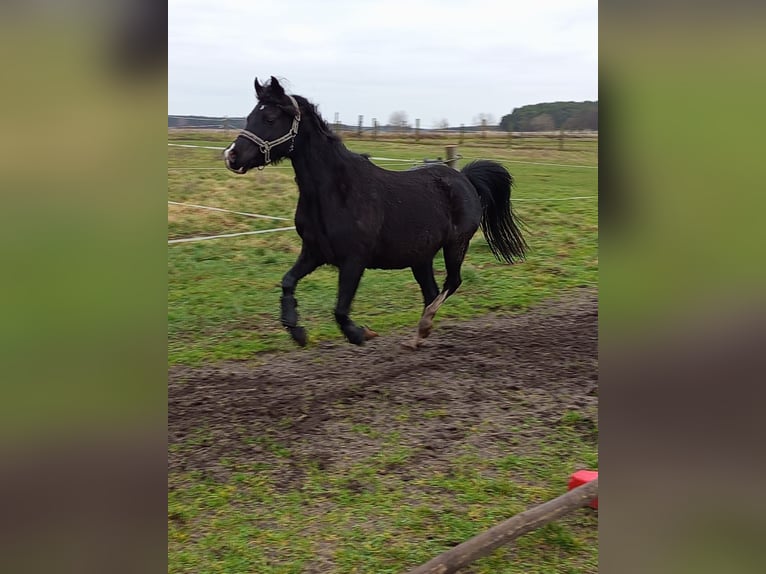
x: 501, y: 227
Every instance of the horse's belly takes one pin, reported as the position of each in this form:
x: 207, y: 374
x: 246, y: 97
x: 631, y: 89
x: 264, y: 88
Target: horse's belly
x: 401, y: 251
x: 387, y: 263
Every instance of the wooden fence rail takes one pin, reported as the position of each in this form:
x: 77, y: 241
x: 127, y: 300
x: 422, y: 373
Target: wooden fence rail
x: 484, y: 543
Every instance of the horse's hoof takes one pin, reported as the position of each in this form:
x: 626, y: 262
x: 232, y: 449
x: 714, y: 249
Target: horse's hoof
x: 369, y: 334
x: 356, y: 335
x: 425, y: 325
x: 412, y: 345
x: 299, y: 335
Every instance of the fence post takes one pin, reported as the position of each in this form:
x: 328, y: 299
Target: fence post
x: 337, y: 123
x: 374, y: 128
x: 510, y: 138
x: 359, y: 129
x: 484, y: 128
x: 451, y: 154
x: 561, y: 139
x: 417, y: 129
x: 462, y: 131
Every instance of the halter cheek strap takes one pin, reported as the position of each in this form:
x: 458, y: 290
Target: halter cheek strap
x: 266, y: 146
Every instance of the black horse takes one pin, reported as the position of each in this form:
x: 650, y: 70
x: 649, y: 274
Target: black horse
x: 355, y: 215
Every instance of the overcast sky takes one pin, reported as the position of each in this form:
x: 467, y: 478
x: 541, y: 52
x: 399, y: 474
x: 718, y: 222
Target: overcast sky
x: 433, y: 59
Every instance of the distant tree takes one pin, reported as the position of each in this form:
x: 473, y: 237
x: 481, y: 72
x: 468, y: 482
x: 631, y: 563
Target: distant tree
x: 398, y: 119
x: 593, y: 119
x: 542, y: 123
x: 584, y: 119
x: 441, y: 124
x: 489, y: 118
x: 565, y: 115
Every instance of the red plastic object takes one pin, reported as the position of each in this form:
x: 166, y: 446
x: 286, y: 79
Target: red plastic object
x: 581, y: 477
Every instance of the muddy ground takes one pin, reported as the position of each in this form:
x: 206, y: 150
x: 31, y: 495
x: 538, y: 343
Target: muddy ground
x: 484, y: 383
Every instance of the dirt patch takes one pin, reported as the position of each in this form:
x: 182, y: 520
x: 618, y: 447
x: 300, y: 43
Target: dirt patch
x: 486, y: 383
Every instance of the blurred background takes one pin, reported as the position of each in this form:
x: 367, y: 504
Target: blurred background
x: 681, y: 287
x: 82, y: 227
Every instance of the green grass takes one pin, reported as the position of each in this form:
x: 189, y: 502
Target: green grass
x: 384, y: 513
x: 223, y: 296
x: 365, y: 518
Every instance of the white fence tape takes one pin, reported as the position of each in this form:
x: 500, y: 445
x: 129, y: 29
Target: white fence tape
x: 258, y: 215
x: 553, y: 198
x: 402, y: 161
x: 197, y: 146
x: 206, y: 237
x: 417, y: 161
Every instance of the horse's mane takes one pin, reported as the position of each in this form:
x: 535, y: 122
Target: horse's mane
x: 309, y: 111
x: 320, y: 125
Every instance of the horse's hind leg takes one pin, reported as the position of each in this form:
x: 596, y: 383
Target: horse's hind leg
x: 349, y: 276
x: 305, y: 264
x: 424, y: 275
x: 453, y: 260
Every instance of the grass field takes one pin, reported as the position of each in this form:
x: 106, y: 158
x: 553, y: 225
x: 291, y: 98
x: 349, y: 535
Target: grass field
x: 370, y: 521
x: 223, y: 295
x: 223, y: 304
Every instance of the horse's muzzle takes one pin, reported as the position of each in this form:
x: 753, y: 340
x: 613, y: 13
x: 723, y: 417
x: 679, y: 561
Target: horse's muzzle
x: 229, y: 158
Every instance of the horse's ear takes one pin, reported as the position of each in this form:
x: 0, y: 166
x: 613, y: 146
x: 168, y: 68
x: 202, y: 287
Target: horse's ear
x: 258, y: 88
x: 275, y: 88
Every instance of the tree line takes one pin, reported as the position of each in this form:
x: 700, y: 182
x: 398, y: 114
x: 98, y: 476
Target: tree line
x: 552, y: 116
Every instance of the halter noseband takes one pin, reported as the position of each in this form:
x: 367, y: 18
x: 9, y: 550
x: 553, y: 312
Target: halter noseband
x: 266, y: 146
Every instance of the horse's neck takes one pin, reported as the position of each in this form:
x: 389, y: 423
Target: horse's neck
x: 317, y: 165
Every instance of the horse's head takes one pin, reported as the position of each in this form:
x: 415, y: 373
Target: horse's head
x: 270, y: 131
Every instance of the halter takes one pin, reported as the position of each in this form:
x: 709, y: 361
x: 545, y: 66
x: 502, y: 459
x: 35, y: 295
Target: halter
x: 266, y: 146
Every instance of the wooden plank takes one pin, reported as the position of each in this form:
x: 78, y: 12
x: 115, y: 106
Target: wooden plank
x: 483, y: 544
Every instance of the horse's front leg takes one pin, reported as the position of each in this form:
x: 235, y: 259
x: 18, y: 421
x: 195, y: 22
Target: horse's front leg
x: 349, y: 276
x: 305, y: 264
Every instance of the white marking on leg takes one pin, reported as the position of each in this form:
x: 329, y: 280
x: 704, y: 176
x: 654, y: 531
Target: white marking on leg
x: 431, y: 310
x: 426, y: 320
